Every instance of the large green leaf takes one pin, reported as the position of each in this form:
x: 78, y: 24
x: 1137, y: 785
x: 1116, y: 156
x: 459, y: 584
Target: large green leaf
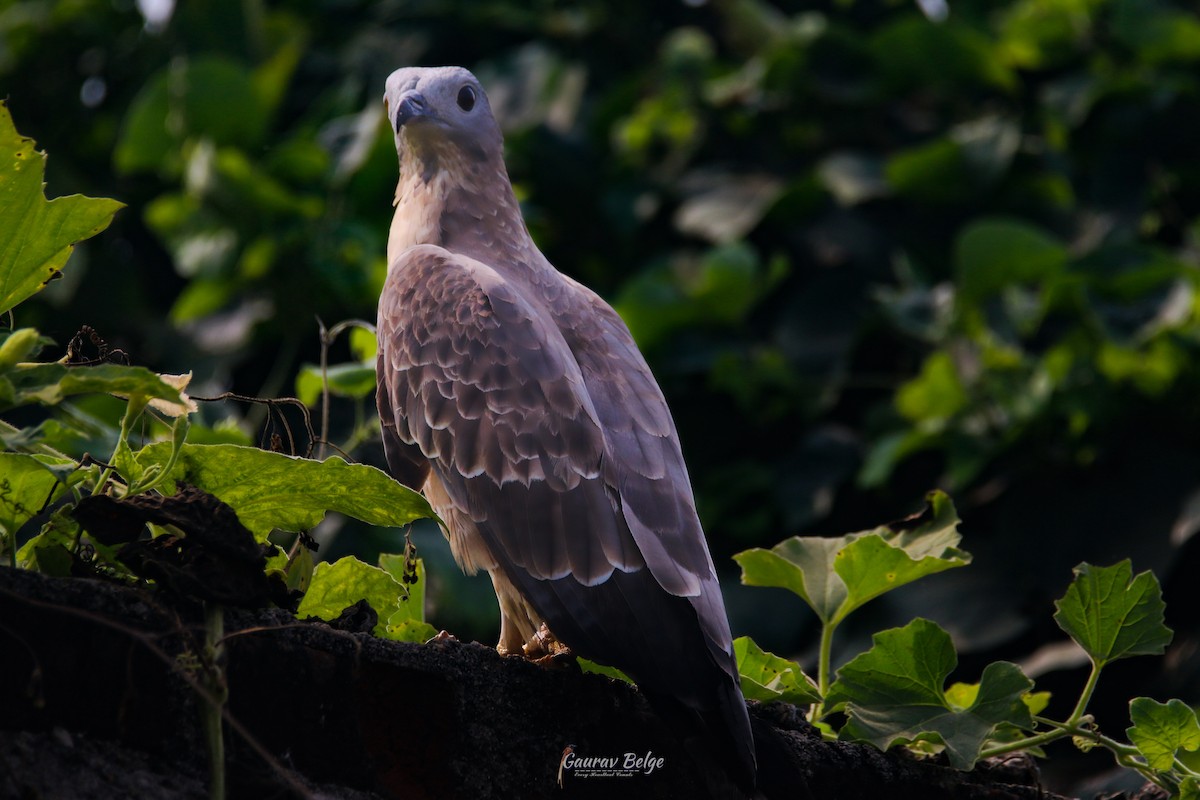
x: 1112, y: 614
x: 271, y: 490
x: 36, y: 235
x: 1160, y: 730
x: 803, y: 565
x: 49, y: 384
x: 837, y: 575
x: 766, y: 676
x: 894, y: 694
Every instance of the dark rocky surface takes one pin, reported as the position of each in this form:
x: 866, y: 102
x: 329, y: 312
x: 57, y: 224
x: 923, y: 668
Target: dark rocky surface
x: 98, y: 699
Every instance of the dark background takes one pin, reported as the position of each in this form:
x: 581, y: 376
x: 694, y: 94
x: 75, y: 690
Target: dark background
x: 867, y: 252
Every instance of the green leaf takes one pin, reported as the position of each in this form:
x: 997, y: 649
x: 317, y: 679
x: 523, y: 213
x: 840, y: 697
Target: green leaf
x: 36, y: 235
x: 271, y: 490
x: 345, y: 380
x: 601, y: 669
x: 766, y: 676
x: 1160, y: 730
x: 363, y: 344
x: 837, y: 575
x: 335, y: 587
x: 413, y: 603
x: 48, y: 384
x: 25, y: 484
x: 1113, y: 615
x: 50, y: 551
x: 993, y: 253
x: 211, y: 97
x: 936, y: 394
x: 401, y: 628
x: 893, y: 694
x: 803, y: 565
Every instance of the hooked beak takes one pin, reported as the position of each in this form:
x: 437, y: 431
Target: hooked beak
x: 411, y: 105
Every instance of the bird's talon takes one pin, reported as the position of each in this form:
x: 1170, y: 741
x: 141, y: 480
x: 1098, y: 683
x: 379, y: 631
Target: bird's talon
x: 542, y: 646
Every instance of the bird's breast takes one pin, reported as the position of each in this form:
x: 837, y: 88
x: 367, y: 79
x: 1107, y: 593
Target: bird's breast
x: 419, y: 207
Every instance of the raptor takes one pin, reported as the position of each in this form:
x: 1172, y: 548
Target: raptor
x: 517, y: 400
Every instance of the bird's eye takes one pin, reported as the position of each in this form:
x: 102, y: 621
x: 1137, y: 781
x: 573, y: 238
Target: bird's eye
x: 466, y: 98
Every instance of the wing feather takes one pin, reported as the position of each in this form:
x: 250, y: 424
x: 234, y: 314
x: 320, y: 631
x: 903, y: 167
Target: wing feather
x: 548, y: 430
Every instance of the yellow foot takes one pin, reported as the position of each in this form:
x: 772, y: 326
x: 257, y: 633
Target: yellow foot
x: 543, y: 648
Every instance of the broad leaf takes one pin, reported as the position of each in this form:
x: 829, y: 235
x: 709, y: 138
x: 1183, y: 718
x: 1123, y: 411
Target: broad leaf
x: 335, y: 587
x: 837, y: 575
x: 36, y: 235
x: 893, y: 694
x: 271, y: 490
x: 803, y: 565
x: 1160, y: 730
x: 1113, y: 615
x: 894, y: 555
x: 766, y: 676
x: 49, y: 384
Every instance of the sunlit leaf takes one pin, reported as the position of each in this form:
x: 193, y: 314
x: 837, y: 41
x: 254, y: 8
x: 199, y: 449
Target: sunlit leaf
x: 48, y: 384
x: 36, y: 235
x: 413, y: 603
x: 271, y: 490
x: 766, y: 676
x: 337, y: 586
x: 401, y: 628
x: 1160, y: 730
x: 1112, y: 614
x: 839, y: 574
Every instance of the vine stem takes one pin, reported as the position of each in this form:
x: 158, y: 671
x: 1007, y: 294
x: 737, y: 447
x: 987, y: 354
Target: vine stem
x: 214, y: 633
x: 824, y: 657
x: 1085, y: 696
x: 1059, y: 732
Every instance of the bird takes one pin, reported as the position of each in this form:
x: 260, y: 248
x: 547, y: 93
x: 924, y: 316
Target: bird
x: 517, y: 400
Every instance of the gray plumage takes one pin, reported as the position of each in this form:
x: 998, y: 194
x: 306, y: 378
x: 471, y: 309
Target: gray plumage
x: 517, y: 400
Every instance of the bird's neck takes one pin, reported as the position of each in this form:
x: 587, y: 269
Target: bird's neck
x: 460, y: 204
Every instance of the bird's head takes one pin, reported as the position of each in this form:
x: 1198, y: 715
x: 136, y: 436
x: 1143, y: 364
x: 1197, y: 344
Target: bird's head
x: 440, y: 112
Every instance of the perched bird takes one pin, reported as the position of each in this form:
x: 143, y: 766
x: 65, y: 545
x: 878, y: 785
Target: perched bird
x: 516, y: 399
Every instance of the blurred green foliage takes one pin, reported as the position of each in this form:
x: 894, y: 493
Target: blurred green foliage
x: 867, y: 253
